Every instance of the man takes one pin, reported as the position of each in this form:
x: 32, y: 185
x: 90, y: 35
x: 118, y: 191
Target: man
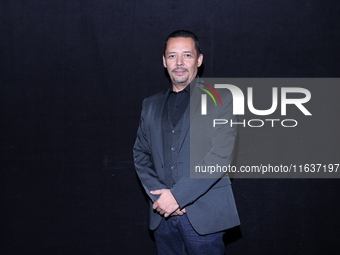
x: 188, y: 215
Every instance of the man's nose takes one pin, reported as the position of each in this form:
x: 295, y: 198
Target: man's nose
x: 179, y: 61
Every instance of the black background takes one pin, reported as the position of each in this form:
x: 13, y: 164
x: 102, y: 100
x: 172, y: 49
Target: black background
x: 73, y: 75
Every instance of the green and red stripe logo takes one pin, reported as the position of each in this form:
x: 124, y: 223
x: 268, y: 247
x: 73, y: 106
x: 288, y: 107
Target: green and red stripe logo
x: 211, y: 92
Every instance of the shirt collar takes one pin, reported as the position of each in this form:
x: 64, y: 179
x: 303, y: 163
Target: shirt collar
x: 185, y: 90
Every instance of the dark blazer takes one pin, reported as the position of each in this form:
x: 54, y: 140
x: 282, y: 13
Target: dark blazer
x: 209, y: 202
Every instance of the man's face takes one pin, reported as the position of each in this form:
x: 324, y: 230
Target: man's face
x: 181, y: 61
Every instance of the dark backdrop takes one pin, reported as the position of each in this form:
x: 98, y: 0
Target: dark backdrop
x: 73, y: 75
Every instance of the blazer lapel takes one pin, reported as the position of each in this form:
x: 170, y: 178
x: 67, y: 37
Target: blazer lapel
x: 195, y: 98
x: 191, y: 109
x: 158, y: 122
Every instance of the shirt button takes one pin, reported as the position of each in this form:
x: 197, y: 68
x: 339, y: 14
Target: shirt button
x: 173, y: 131
x: 172, y: 167
x: 173, y: 149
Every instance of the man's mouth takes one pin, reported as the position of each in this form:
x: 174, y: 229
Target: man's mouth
x: 179, y: 71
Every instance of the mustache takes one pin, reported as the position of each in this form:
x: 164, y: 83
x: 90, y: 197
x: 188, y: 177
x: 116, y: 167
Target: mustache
x: 179, y: 68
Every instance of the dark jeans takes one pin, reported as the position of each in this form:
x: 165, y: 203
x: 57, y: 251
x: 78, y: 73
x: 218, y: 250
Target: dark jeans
x: 175, y: 235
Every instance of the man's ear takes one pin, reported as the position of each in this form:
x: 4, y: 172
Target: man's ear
x: 164, y: 62
x: 200, y: 60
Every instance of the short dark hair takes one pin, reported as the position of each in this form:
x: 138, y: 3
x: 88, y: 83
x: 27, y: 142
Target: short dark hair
x: 185, y: 34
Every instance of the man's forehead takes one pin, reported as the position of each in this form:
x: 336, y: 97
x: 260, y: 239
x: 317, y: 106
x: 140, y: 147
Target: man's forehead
x: 181, y: 43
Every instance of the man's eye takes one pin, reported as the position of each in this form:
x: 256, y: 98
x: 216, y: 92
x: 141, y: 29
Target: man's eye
x: 171, y: 56
x: 187, y: 55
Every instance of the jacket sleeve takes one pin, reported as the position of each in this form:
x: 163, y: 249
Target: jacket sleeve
x: 142, y: 154
x: 187, y: 190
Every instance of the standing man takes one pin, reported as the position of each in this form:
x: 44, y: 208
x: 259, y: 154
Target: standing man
x: 188, y: 215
